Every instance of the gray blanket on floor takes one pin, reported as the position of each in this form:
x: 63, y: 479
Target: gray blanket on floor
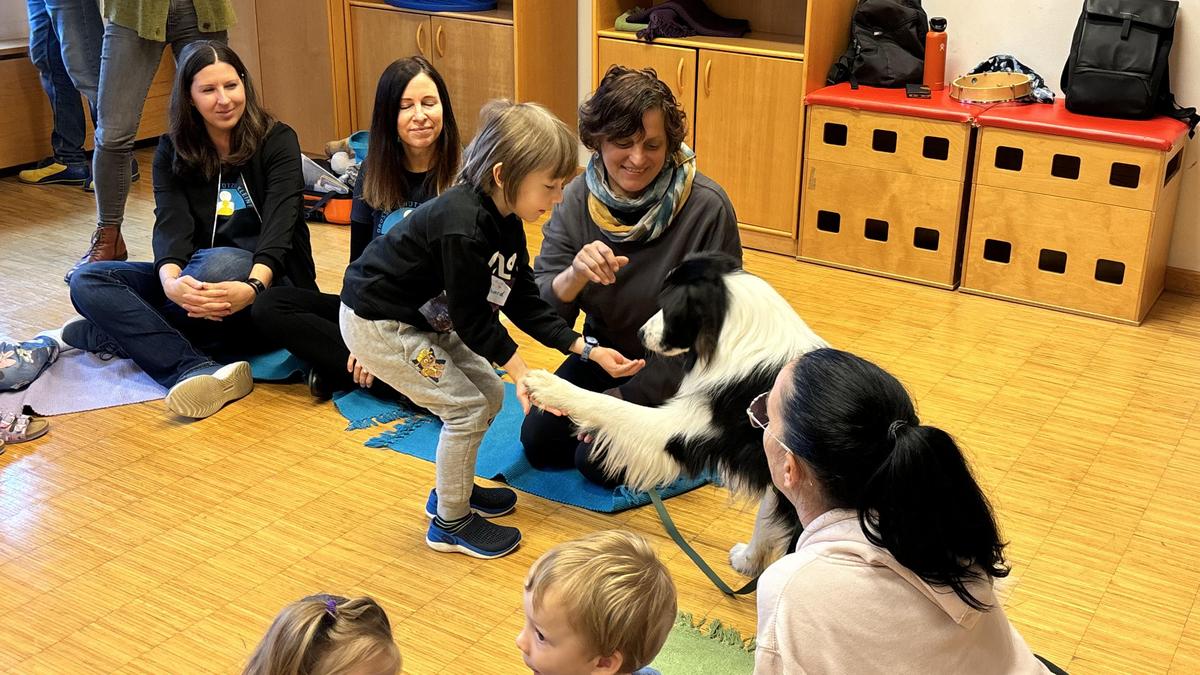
x: 81, y: 381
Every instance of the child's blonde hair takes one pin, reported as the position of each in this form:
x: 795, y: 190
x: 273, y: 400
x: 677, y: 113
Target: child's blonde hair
x: 525, y: 138
x: 323, y: 635
x: 616, y: 593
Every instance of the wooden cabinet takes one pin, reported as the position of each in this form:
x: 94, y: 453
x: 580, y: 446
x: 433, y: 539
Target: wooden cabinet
x: 302, y: 57
x: 523, y: 50
x: 381, y: 37
x: 459, y: 49
x: 744, y: 98
x: 748, y: 135
x: 25, y: 116
x: 453, y: 47
x: 675, y: 65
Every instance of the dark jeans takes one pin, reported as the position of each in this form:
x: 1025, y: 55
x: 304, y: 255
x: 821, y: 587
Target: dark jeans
x: 129, y: 316
x: 550, y: 441
x: 64, y: 44
x: 306, y: 323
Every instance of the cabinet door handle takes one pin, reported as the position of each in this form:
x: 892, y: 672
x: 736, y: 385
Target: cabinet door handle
x: 439, y: 42
x: 707, y: 76
x: 420, y: 38
x: 679, y: 75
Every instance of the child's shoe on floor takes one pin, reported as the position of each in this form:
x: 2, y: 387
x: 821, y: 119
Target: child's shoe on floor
x: 474, y: 536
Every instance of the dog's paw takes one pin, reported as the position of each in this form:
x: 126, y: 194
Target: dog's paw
x: 739, y: 558
x: 547, y: 390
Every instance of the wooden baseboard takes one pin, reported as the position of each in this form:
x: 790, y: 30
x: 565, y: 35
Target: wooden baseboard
x: 1183, y: 281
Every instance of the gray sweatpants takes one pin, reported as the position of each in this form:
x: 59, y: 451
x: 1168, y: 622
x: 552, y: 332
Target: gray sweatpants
x: 439, y: 372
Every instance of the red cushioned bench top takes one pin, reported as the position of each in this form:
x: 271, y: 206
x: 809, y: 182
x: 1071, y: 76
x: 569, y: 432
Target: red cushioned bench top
x: 939, y: 106
x: 1159, y: 133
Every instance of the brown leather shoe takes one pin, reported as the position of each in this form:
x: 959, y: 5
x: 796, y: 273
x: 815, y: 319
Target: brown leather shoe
x: 107, y: 244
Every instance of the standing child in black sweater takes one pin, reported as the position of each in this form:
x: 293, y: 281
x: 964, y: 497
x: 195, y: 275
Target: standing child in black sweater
x: 419, y: 309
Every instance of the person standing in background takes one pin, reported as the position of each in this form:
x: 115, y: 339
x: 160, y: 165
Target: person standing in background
x: 134, y: 38
x: 65, y: 37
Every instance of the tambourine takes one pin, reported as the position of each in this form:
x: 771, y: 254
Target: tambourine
x: 991, y: 87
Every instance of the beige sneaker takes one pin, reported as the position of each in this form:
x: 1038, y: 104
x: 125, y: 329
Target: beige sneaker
x: 204, y: 394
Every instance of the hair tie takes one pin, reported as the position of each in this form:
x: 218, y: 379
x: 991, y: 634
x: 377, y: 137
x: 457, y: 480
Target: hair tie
x: 331, y: 607
x: 895, y: 428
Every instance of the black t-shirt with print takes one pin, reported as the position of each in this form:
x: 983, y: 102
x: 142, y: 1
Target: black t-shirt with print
x: 366, y: 222
x: 237, y: 221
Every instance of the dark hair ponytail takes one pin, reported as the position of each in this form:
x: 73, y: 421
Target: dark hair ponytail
x: 855, y: 426
x: 924, y: 506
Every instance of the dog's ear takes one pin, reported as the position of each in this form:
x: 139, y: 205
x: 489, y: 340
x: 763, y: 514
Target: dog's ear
x: 694, y: 303
x: 709, y: 265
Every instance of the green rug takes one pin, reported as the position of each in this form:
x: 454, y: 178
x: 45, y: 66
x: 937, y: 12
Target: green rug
x: 703, y: 648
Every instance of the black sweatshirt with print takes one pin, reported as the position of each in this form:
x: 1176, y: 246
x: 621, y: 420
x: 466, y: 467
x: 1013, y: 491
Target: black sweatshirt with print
x: 460, y: 245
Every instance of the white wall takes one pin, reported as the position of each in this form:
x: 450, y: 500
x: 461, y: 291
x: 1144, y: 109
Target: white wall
x: 14, y: 21
x: 1038, y: 32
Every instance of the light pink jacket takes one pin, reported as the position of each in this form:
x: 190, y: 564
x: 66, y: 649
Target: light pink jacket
x: 842, y: 605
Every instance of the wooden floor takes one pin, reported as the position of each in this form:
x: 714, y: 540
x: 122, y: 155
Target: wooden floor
x: 134, y: 542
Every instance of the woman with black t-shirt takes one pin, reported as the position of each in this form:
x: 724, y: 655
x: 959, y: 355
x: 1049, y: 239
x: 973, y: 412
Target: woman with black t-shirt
x: 412, y: 156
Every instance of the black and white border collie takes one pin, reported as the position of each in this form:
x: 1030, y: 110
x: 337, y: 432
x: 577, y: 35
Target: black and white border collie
x: 735, y: 333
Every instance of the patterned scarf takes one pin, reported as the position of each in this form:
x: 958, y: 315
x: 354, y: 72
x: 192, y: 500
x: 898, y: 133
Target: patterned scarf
x: 664, y: 197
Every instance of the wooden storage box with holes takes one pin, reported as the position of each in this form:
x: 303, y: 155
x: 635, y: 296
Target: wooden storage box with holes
x: 884, y: 182
x: 1073, y: 212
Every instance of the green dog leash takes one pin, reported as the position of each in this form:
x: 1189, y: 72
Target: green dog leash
x: 669, y: 526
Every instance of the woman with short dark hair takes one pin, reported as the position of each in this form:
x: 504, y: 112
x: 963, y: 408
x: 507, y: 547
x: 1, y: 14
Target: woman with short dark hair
x: 637, y: 211
x: 894, y: 570
x: 228, y: 224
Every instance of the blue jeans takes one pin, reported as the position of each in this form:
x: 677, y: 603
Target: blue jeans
x: 22, y: 362
x: 127, y: 66
x: 129, y: 316
x: 64, y: 44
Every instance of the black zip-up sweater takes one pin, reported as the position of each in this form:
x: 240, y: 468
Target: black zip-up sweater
x: 185, y: 206
x: 456, y: 243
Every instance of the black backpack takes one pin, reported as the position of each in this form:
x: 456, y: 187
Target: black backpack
x: 1118, y: 61
x: 887, y: 45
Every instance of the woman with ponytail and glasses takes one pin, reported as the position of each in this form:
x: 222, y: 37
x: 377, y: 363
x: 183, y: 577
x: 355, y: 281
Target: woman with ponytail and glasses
x: 894, y: 570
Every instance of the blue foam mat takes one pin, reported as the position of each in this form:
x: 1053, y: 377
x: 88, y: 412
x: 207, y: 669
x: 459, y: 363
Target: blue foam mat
x: 277, y: 366
x: 501, y: 456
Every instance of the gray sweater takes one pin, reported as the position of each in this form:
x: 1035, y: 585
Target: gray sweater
x: 615, y: 313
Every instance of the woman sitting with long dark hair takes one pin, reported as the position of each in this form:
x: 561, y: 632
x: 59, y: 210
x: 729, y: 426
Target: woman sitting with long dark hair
x: 894, y: 570
x: 228, y: 225
x: 412, y: 156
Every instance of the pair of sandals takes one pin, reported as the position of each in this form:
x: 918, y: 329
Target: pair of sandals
x: 16, y: 428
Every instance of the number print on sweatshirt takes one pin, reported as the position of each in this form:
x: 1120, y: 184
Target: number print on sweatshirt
x: 502, y: 278
x: 437, y: 310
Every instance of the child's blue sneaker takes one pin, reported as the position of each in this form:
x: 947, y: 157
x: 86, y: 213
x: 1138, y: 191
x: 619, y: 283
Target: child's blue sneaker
x: 487, y: 502
x: 473, y: 536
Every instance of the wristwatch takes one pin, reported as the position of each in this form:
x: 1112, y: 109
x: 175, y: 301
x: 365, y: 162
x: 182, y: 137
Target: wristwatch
x: 588, y: 343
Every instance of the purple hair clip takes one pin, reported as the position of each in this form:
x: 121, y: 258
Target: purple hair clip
x: 331, y: 607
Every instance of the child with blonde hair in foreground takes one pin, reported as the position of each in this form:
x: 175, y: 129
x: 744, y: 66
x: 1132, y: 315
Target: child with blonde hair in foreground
x: 327, y: 635
x: 601, y: 604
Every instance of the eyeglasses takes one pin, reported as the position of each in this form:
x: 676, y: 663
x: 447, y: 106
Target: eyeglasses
x: 757, y: 412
